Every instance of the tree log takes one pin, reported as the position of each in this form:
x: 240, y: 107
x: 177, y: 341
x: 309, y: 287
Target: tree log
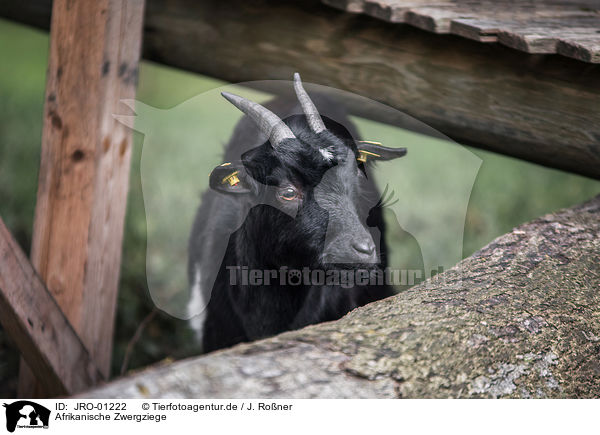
x: 542, y: 108
x: 520, y: 318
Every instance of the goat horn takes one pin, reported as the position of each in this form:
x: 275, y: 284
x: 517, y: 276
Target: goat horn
x: 268, y: 123
x: 308, y: 107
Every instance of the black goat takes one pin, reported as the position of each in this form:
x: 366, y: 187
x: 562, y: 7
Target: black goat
x: 298, y: 201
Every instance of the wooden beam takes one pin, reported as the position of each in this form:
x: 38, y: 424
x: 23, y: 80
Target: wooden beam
x: 533, y: 27
x: 33, y: 319
x: 542, y: 108
x: 85, y: 162
x: 518, y: 319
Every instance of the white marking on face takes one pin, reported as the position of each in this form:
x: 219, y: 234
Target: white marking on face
x: 326, y: 154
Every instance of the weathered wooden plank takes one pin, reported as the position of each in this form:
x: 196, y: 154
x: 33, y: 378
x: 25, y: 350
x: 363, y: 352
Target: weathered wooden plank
x: 586, y: 48
x: 518, y: 319
x: 437, y: 20
x: 533, y: 35
x: 542, y: 35
x: 83, y: 181
x: 541, y: 108
x: 394, y: 12
x: 477, y: 29
x: 42, y: 333
x: 533, y: 27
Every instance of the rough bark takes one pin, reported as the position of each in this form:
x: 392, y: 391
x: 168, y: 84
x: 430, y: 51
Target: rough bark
x: 520, y: 318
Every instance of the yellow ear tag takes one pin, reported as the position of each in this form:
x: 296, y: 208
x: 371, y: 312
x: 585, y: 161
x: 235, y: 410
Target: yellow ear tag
x: 232, y: 179
x: 363, y: 155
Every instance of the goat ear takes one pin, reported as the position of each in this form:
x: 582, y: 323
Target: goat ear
x: 368, y: 150
x: 228, y: 178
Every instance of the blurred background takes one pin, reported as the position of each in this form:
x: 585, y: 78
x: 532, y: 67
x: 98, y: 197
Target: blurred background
x: 506, y: 193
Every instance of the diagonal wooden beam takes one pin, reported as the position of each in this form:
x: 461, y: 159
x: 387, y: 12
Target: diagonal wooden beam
x: 44, y: 336
x: 85, y: 163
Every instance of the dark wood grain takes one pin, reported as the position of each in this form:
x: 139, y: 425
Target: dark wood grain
x: 85, y: 162
x: 586, y: 48
x: 37, y: 326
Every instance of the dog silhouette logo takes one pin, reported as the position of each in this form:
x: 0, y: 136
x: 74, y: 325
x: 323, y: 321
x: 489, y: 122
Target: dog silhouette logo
x: 26, y: 414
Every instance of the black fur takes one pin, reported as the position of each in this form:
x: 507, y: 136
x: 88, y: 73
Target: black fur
x: 260, y: 233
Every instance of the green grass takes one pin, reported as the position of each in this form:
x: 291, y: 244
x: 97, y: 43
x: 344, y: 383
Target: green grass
x: 431, y: 183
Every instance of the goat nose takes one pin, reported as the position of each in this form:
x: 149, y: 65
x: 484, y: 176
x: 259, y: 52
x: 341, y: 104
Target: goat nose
x: 364, y: 246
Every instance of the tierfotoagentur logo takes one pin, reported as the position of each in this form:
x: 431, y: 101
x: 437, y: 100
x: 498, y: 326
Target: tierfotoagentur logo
x: 345, y: 278
x: 25, y: 414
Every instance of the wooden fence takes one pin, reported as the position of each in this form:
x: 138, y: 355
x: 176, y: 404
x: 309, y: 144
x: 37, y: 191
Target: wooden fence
x: 59, y: 306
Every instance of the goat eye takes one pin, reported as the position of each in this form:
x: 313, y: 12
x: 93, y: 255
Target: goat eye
x: 287, y: 194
